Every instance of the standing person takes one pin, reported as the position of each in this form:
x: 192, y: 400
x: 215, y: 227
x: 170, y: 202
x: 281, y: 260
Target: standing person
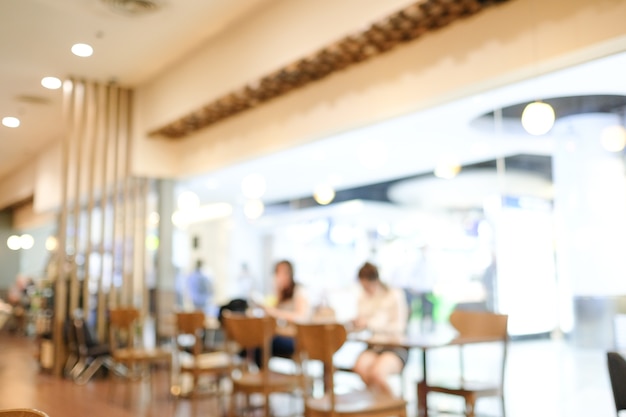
x: 245, y: 284
x: 423, y: 287
x: 382, y: 310
x: 291, y: 305
x: 490, y: 284
x: 200, y: 288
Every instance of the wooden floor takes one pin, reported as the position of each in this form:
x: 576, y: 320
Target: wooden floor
x: 24, y: 384
x: 560, y: 378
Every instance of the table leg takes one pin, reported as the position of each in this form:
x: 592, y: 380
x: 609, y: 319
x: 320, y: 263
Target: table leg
x: 422, y: 389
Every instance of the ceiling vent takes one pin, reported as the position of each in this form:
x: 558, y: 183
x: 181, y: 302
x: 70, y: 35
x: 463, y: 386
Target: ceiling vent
x: 133, y: 7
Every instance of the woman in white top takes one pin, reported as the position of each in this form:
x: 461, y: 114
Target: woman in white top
x: 381, y: 310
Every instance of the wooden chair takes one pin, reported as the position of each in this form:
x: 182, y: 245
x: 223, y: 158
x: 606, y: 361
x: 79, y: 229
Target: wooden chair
x: 22, y: 412
x: 320, y: 341
x: 472, y: 326
x: 123, y: 324
x: 191, y: 355
x: 248, y: 333
x: 616, y: 364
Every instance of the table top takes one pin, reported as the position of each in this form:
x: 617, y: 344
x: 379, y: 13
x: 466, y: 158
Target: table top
x: 420, y: 341
x: 437, y: 338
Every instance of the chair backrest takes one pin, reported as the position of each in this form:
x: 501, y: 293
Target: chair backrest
x: 617, y: 374
x: 250, y: 332
x: 480, y: 324
x: 121, y: 326
x: 190, y: 323
x: 22, y: 412
x: 320, y: 341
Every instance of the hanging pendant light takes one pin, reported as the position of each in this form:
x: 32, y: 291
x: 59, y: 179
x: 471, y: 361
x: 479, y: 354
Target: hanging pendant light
x: 538, y: 118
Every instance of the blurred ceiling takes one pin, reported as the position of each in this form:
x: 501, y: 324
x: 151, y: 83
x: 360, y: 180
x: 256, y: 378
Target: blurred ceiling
x: 463, y: 132
x: 131, y: 47
x: 133, y: 41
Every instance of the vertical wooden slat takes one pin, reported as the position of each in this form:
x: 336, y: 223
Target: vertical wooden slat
x: 134, y: 193
x: 102, y: 302
x: 78, y: 126
x: 114, y: 145
x: 98, y: 119
x: 130, y: 195
x: 140, y: 248
x: 126, y: 288
x: 60, y: 287
x: 91, y: 141
x: 134, y: 197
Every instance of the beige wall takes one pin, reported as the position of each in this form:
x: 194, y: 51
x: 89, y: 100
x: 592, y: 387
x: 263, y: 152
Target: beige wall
x: 25, y: 217
x: 18, y: 186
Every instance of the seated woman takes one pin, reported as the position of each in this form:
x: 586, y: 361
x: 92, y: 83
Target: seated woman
x: 382, y: 310
x: 291, y: 305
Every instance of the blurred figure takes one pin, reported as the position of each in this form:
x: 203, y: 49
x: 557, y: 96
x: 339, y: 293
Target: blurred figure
x: 422, y: 290
x: 490, y: 283
x: 291, y: 305
x: 19, y: 299
x: 245, y: 284
x: 180, y: 289
x: 200, y: 288
x: 381, y: 310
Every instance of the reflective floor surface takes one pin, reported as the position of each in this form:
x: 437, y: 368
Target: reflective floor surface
x: 543, y: 378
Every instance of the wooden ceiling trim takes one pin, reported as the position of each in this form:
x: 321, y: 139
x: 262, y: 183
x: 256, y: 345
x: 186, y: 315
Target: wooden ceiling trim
x: 404, y: 26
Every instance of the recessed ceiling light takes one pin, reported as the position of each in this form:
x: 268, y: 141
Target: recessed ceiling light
x: 51, y: 243
x: 134, y: 7
x: 10, y: 121
x: 253, y: 209
x: 82, y: 49
x: 51, y: 83
x: 27, y: 241
x: 13, y: 242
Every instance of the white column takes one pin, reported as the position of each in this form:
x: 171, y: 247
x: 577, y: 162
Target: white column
x: 590, y: 213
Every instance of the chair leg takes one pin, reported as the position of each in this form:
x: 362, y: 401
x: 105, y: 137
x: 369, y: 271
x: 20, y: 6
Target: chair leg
x: 233, y: 404
x: 470, y: 405
x: 266, y: 406
x: 422, y: 406
x: 90, y: 371
x: 70, y: 363
x: 503, y: 405
x: 78, y: 368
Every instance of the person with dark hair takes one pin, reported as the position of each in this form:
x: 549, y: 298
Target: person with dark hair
x: 381, y: 310
x: 291, y: 305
